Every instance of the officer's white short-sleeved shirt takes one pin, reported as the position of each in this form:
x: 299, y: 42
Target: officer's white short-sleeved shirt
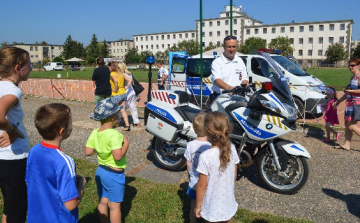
x: 232, y: 72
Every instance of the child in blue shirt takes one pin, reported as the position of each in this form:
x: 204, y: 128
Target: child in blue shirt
x: 54, y: 190
x: 111, y: 147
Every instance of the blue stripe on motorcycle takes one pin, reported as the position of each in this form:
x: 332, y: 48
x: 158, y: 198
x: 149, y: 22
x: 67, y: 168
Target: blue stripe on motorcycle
x: 252, y: 129
x: 273, y: 97
x: 193, y: 85
x: 161, y: 112
x: 297, y: 148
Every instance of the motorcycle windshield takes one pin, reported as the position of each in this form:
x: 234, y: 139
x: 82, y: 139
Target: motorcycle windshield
x: 271, y: 70
x: 289, y: 66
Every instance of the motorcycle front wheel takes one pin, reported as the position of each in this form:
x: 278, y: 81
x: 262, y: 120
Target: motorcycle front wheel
x: 166, y: 155
x: 297, y: 173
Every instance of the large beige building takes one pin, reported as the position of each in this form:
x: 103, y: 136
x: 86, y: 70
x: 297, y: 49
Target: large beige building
x: 310, y: 40
x: 119, y: 48
x: 39, y: 52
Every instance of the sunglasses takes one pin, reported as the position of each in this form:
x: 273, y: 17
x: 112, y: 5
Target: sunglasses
x: 230, y: 37
x: 352, y: 65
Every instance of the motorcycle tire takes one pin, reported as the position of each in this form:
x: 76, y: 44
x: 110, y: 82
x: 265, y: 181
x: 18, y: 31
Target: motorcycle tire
x: 175, y: 163
x: 300, y: 113
x: 297, y: 170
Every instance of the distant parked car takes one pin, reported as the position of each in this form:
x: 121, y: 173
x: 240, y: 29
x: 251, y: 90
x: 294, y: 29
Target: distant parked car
x: 53, y: 66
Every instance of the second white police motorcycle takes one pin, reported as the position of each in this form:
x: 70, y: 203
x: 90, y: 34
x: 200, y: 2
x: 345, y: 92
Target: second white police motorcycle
x: 259, y: 120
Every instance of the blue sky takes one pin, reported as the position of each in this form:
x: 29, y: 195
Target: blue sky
x: 52, y: 21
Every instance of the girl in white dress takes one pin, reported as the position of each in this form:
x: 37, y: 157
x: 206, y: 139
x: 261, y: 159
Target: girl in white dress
x: 217, y: 168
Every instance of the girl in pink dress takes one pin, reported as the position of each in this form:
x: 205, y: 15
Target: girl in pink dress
x: 331, y: 116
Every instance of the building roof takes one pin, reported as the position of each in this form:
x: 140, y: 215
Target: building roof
x: 300, y: 23
x: 147, y: 34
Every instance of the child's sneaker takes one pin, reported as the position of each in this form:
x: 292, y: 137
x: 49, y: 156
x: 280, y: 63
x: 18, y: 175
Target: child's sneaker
x: 338, y: 136
x: 326, y: 140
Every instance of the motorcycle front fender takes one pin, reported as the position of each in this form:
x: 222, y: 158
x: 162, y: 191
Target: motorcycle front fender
x: 293, y: 148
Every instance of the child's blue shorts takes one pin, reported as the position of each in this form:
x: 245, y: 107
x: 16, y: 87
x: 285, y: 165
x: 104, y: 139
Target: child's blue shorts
x: 191, y: 193
x: 110, y: 183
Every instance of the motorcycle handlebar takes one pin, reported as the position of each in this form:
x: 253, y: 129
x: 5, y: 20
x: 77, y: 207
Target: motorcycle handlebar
x: 238, y: 90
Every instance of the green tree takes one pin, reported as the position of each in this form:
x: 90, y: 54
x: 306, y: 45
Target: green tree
x: 4, y: 43
x: 103, y: 49
x: 283, y: 44
x: 335, y: 52
x: 143, y: 55
x: 44, y: 43
x: 190, y: 46
x: 355, y: 52
x: 161, y: 57
x: 93, y: 47
x: 253, y: 43
x: 132, y: 56
x: 58, y: 59
x: 210, y: 47
x: 68, y: 47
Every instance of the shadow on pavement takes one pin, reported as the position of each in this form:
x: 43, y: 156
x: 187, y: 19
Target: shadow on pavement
x: 351, y: 200
x: 252, y: 175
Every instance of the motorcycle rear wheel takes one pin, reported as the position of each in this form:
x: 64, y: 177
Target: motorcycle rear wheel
x: 297, y: 170
x: 168, y: 161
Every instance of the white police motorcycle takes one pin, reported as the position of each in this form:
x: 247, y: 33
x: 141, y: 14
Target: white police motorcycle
x: 258, y: 120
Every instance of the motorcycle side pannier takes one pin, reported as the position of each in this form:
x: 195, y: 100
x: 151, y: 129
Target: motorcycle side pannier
x: 163, y: 123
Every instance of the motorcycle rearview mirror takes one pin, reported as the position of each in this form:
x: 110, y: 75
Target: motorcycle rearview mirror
x: 243, y: 85
x: 250, y: 80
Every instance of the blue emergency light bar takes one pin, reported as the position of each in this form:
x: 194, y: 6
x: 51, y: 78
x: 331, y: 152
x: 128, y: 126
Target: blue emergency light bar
x: 272, y: 51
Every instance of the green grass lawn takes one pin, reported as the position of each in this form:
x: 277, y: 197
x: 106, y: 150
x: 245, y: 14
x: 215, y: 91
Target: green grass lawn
x: 147, y: 201
x: 337, y: 77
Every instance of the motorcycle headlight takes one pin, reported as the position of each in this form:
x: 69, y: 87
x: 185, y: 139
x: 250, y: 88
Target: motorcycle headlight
x: 291, y: 111
x: 270, y: 106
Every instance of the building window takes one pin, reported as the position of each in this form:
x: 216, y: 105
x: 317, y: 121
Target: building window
x: 137, y: 47
x: 227, y: 14
x: 122, y: 43
x: 162, y: 46
x: 168, y: 46
x: 146, y: 38
x: 282, y: 29
x: 301, y: 40
x: 210, y: 24
x: 310, y: 40
x: 210, y: 34
x: 152, y: 47
x: 235, y: 32
x: 32, y: 56
x: 162, y: 37
x: 186, y: 35
x: 114, y: 42
x: 264, y: 30
x: 203, y: 24
x: 192, y: 35
x: 331, y: 39
x: 226, y: 33
x: 142, y: 47
x: 114, y: 51
x: 309, y: 52
x: 157, y: 37
x: 342, y: 26
x: 203, y: 34
x: 300, y: 52
x: 125, y: 50
x: 311, y: 28
x: 218, y: 23
x: 218, y: 33
x: 291, y: 29
x: 147, y: 47
x: 157, y: 46
x: 168, y: 36
x: 321, y: 27
x: 331, y: 27
x: 141, y: 38
x: 256, y: 31
x: 218, y: 43
x: 136, y: 39
x: 320, y: 52
x: 151, y: 37
x: 247, y: 31
x: 235, y: 21
x: 36, y: 56
x: 36, y: 48
x: 301, y: 29
x: 226, y: 22
x: 292, y: 40
x: 174, y: 36
x: 273, y: 30
x: 341, y: 39
x: 31, y: 48
x: 117, y: 50
x: 180, y: 36
x: 321, y: 40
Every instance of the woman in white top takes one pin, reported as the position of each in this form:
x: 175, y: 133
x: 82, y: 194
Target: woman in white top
x: 14, y: 143
x: 217, y: 168
x: 131, y: 97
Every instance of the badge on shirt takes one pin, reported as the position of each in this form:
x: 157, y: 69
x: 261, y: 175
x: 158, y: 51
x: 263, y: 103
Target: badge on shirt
x: 238, y: 72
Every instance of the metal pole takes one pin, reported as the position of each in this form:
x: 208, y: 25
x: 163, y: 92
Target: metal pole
x: 201, y: 58
x: 231, y: 17
x: 150, y: 84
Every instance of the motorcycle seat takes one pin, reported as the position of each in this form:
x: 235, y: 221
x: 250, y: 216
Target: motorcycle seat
x: 187, y: 113
x: 183, y: 96
x: 234, y: 106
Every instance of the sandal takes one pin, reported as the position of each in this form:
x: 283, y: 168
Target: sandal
x: 338, y: 137
x: 127, y: 128
x: 340, y: 147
